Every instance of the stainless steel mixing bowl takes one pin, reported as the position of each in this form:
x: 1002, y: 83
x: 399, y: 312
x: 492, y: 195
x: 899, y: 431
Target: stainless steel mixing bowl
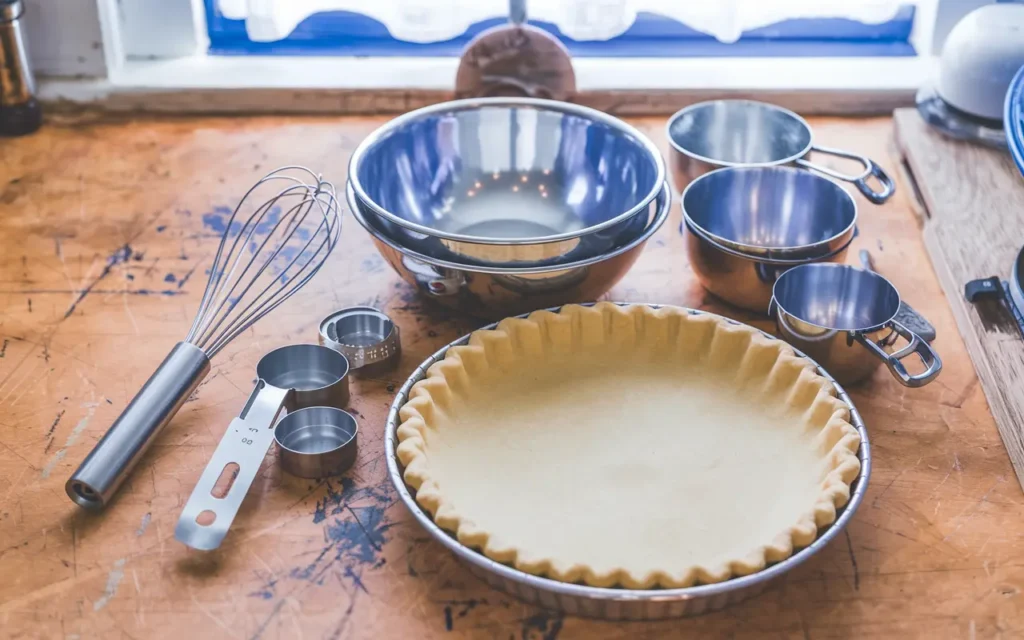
x: 505, y: 181
x: 746, y: 226
x: 733, y: 133
x: 779, y: 213
x: 494, y: 292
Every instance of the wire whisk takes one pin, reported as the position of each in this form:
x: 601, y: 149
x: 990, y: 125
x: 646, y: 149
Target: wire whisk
x: 264, y: 260
x: 269, y: 249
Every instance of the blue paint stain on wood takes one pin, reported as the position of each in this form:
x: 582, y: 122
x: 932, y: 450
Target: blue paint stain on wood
x: 266, y: 592
x: 170, y: 278
x: 546, y: 625
x: 161, y: 228
x: 121, y: 255
x: 188, y: 274
x: 463, y: 606
x: 356, y: 579
x: 219, y: 220
x: 355, y: 527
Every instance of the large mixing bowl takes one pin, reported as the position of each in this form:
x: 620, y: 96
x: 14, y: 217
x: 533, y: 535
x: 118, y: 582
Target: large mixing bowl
x: 507, y: 181
x: 493, y: 292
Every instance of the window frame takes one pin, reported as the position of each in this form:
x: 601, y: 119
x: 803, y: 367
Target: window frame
x: 154, y: 57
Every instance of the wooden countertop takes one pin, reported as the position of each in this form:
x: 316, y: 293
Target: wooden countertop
x: 106, y: 228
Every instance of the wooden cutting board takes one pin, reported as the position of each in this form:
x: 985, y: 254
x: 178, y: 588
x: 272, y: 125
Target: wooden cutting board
x: 971, y: 203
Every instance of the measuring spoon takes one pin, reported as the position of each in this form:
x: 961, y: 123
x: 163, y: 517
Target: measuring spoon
x: 292, y: 377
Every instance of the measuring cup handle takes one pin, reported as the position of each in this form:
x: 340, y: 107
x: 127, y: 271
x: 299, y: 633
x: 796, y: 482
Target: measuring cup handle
x: 860, y: 181
x: 916, y: 345
x: 244, y: 444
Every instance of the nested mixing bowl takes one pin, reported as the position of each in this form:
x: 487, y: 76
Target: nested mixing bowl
x: 495, y: 292
x: 508, y: 181
x: 745, y: 226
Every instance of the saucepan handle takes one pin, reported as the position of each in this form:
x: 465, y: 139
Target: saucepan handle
x: 871, y: 169
x: 916, y: 345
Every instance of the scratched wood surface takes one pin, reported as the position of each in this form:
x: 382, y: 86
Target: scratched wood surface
x: 972, y: 198
x: 105, y: 228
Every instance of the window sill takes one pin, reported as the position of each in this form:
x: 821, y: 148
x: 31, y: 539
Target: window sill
x: 634, y: 86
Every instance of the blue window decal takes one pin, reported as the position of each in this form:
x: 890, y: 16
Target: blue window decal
x: 344, y: 33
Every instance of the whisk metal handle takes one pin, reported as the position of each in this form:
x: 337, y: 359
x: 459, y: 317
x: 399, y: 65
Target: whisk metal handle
x: 97, y: 479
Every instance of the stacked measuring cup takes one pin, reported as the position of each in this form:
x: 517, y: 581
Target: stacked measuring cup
x: 753, y: 204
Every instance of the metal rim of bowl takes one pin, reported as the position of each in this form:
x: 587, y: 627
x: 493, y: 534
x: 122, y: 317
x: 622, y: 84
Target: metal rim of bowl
x: 838, y: 265
x: 754, y: 250
x: 1013, y: 119
x: 621, y: 596
x: 531, y: 103
x: 650, y: 230
x: 720, y: 163
x: 765, y: 259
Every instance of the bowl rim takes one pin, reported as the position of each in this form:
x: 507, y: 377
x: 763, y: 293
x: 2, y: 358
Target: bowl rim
x: 848, y: 267
x: 652, y: 227
x: 1013, y: 119
x: 757, y: 250
x: 515, y: 103
x: 858, y: 489
x: 722, y: 163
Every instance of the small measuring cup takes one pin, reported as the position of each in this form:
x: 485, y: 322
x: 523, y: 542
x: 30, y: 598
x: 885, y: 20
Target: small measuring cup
x: 366, y: 336
x: 317, y: 442
x: 844, y: 318
x: 292, y: 377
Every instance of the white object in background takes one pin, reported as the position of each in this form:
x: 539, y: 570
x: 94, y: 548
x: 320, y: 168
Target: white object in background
x: 980, y: 57
x: 439, y: 20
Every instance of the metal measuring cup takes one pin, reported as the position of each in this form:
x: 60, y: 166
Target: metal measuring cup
x: 317, y: 442
x: 292, y: 377
x: 745, y: 133
x: 366, y: 336
x: 844, y: 318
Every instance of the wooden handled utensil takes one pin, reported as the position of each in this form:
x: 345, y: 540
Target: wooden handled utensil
x: 515, y: 60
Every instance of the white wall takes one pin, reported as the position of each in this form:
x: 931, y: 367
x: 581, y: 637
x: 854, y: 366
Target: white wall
x: 64, y: 37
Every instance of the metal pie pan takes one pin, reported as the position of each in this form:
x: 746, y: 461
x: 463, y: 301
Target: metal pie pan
x: 611, y: 603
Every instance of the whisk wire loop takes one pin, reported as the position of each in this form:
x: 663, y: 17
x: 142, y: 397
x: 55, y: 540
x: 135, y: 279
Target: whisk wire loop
x: 268, y: 257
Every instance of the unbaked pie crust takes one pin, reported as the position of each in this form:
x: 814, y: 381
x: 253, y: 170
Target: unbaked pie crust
x: 628, y: 446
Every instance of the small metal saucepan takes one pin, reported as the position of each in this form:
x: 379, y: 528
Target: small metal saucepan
x: 843, y: 317
x: 733, y: 133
